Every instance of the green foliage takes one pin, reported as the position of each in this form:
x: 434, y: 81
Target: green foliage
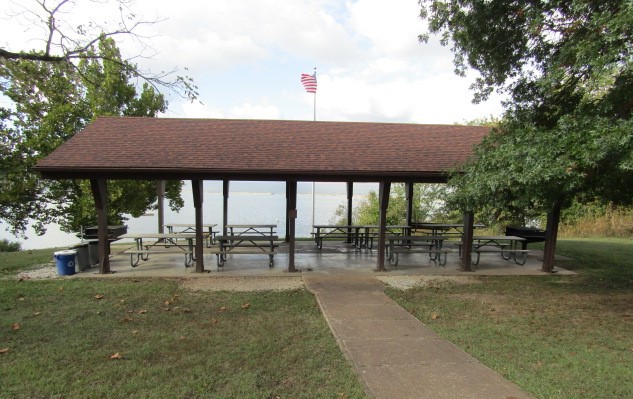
x: 519, y: 171
x: 567, y: 69
x: 9, y: 246
x: 427, y: 206
x: 50, y: 102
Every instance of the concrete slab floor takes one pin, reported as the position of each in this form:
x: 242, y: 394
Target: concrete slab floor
x: 335, y: 259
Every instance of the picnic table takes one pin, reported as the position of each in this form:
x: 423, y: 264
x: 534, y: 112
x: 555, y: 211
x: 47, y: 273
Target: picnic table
x: 245, y: 244
x: 165, y: 243
x: 442, y: 229
x: 191, y: 228
x: 433, y: 245
x: 360, y: 235
x: 372, y: 231
x: 251, y: 229
x: 334, y: 231
x: 507, y: 246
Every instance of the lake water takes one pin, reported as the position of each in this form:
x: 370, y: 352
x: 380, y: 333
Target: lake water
x: 249, y: 203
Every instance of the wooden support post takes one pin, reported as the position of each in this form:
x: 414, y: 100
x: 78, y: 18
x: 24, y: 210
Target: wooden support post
x: 225, y: 205
x: 408, y: 188
x: 288, y: 209
x: 198, y: 198
x: 383, y: 199
x: 350, y: 196
x: 467, y: 242
x: 160, y: 193
x: 291, y: 192
x: 551, y: 235
x: 100, y: 195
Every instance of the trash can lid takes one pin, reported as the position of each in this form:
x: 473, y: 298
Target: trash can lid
x: 65, y: 252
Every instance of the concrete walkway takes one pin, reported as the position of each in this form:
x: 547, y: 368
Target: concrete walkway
x: 396, y: 355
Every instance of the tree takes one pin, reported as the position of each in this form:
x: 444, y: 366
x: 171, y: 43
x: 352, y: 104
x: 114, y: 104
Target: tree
x: 427, y: 206
x: 567, y: 70
x: 50, y: 102
x: 64, y: 43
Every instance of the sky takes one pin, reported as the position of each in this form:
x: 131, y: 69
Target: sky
x: 246, y: 57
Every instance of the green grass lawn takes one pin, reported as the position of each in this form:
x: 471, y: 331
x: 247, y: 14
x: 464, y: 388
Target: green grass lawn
x: 58, y: 337
x: 555, y: 336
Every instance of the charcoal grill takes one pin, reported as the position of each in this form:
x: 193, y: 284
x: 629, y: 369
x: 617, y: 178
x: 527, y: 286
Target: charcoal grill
x: 92, y: 232
x: 530, y: 234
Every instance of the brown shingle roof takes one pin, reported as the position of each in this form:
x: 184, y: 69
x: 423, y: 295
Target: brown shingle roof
x: 128, y: 147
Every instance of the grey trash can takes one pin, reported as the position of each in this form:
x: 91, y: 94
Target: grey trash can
x: 93, y: 249
x: 82, y: 256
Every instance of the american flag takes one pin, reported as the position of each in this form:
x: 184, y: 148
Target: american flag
x: 309, y: 82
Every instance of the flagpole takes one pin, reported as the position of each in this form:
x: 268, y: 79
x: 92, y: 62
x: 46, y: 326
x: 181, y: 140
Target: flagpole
x: 313, y: 185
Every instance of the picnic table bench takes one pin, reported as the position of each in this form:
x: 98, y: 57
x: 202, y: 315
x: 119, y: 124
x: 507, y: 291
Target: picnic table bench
x: 432, y: 245
x: 451, y: 230
x: 335, y: 232
x: 371, y: 232
x: 191, y: 228
x: 245, y: 244
x: 166, y: 243
x: 507, y: 246
x: 251, y: 229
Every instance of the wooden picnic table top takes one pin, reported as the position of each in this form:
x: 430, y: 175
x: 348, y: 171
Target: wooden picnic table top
x: 246, y: 226
x: 358, y: 226
x: 189, y: 225
x: 416, y: 238
x: 258, y: 237
x: 161, y: 235
x: 442, y: 225
x: 498, y: 238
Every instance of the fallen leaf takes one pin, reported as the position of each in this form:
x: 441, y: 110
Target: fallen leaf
x: 16, y: 326
x: 98, y: 296
x: 127, y: 319
x: 434, y: 316
x: 21, y: 298
x: 246, y: 306
x: 222, y: 309
x: 134, y: 331
x: 130, y: 311
x: 214, y: 321
x: 166, y: 309
x: 116, y: 356
x: 36, y: 313
x: 167, y: 302
x: 142, y: 311
x: 182, y: 337
x: 4, y: 350
x: 176, y: 307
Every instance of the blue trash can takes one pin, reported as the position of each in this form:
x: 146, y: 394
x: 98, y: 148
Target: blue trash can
x: 65, y: 262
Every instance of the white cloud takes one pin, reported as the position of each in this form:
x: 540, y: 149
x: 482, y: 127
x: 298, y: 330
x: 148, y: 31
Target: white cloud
x: 242, y: 111
x: 246, y: 56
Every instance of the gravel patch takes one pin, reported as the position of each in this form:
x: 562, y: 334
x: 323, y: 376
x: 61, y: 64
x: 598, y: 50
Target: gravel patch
x: 408, y: 282
x: 243, y: 283
x: 39, y: 272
